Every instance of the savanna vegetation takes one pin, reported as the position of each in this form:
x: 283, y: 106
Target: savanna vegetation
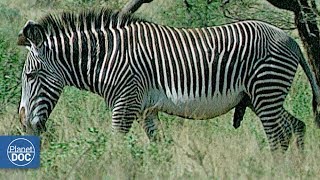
x: 79, y: 143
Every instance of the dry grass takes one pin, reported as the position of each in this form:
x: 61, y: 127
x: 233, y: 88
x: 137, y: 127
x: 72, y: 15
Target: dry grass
x: 79, y: 145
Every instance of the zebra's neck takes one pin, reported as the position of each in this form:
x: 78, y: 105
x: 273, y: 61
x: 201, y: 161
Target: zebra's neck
x: 92, y: 59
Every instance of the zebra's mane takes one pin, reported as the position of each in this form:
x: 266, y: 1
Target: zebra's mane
x: 54, y: 21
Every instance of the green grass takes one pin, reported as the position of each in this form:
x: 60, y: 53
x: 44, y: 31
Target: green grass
x: 79, y: 143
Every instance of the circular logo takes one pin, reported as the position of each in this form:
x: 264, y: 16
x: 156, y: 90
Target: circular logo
x: 21, y: 152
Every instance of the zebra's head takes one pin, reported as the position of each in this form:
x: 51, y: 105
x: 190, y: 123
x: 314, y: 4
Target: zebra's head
x: 41, y: 85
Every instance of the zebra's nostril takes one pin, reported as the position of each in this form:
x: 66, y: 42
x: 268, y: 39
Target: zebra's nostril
x: 22, y: 116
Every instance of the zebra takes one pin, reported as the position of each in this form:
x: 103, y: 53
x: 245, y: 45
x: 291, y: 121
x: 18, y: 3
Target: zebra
x: 142, y: 68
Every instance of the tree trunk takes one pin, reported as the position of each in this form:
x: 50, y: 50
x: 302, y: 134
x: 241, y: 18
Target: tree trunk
x: 305, y: 20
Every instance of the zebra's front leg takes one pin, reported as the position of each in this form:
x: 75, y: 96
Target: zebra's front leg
x: 122, y: 118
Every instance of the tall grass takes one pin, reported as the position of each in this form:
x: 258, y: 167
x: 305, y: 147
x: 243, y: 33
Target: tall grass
x: 79, y: 143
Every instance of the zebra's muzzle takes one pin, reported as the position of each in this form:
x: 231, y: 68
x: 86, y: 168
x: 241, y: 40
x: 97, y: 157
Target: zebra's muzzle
x: 32, y: 125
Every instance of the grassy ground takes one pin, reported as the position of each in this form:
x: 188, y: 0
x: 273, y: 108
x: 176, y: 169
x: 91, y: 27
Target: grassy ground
x: 80, y: 145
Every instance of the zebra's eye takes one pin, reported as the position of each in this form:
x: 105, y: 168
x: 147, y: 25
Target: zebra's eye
x: 31, y: 75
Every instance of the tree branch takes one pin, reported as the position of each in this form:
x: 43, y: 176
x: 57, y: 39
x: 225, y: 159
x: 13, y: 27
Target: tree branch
x: 224, y: 2
x: 314, y: 7
x: 187, y: 4
x: 133, y: 6
x: 291, y: 5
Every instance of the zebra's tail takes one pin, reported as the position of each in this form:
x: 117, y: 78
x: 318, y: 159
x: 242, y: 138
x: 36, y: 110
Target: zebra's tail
x: 315, y: 88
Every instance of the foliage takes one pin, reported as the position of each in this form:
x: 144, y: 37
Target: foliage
x: 79, y: 143
x: 258, y: 10
x: 10, y: 64
x: 9, y: 83
x: 194, y: 14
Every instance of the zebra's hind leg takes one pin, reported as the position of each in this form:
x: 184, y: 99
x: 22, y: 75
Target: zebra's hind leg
x: 298, y: 128
x: 274, y: 118
x: 240, y: 111
x: 279, y: 128
x: 149, y: 124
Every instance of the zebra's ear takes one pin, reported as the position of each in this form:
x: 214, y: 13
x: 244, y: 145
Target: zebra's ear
x: 32, y: 33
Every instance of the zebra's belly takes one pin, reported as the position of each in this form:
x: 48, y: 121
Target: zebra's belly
x: 199, y: 107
